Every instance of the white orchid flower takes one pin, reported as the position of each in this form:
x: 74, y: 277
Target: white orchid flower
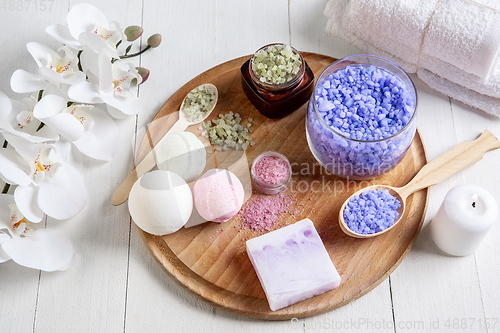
x: 16, y: 117
x: 20, y: 240
x: 88, y: 26
x: 44, y: 186
x: 116, y: 87
x: 24, y: 82
x: 90, y: 129
x: 53, y: 70
x: 54, y: 67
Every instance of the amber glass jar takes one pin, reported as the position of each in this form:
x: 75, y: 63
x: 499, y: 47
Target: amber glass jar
x: 277, y: 100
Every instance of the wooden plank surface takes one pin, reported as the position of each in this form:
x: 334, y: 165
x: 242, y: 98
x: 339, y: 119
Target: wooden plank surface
x: 118, y: 286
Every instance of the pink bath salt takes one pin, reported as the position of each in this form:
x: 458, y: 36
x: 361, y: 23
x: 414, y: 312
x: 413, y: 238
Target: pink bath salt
x: 262, y: 212
x: 271, y: 169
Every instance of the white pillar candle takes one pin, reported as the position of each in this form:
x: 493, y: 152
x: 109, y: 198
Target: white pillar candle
x: 463, y: 220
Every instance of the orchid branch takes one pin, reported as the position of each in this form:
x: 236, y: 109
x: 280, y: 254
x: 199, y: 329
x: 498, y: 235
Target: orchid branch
x: 79, y: 61
x: 6, y: 186
x: 153, y: 42
x: 125, y: 56
x: 40, y: 94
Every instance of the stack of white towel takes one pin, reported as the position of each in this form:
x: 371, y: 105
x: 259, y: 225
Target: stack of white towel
x: 452, y: 45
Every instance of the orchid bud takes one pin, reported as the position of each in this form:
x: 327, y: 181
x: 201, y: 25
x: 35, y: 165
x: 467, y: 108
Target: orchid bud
x: 154, y: 40
x: 133, y: 32
x: 144, y: 73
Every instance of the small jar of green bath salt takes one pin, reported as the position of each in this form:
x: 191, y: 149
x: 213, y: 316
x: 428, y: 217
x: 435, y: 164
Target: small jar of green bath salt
x: 277, y: 67
x: 277, y: 80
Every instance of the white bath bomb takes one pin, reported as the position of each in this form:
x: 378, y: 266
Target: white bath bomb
x: 182, y: 153
x: 160, y: 202
x: 218, y: 195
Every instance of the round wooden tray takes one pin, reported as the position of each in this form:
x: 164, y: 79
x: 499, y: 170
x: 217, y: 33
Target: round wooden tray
x: 210, y: 259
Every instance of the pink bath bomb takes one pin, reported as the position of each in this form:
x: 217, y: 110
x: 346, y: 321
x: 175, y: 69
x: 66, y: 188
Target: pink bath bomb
x: 218, y: 195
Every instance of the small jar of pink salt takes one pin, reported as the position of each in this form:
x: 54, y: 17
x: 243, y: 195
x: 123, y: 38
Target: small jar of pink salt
x: 271, y: 172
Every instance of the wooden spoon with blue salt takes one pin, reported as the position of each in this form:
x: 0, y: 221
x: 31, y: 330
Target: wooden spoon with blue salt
x: 441, y: 168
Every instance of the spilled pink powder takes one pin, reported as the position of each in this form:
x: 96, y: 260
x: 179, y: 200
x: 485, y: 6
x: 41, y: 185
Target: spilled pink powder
x: 271, y: 169
x: 263, y: 211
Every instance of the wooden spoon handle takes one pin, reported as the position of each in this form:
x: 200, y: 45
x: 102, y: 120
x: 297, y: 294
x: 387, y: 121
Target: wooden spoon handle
x: 451, y: 162
x: 179, y: 126
x: 146, y: 165
x: 122, y: 192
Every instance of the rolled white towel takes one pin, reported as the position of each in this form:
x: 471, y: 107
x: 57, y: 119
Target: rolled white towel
x: 456, y: 40
x: 463, y: 34
x: 390, y: 28
x: 467, y: 96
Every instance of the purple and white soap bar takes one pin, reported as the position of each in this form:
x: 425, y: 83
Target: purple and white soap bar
x: 292, y: 264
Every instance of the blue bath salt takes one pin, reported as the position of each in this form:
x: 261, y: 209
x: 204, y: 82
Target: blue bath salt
x: 369, y: 105
x: 371, y: 212
x: 376, y: 101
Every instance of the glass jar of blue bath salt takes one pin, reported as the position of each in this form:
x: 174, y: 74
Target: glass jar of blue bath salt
x: 361, y: 117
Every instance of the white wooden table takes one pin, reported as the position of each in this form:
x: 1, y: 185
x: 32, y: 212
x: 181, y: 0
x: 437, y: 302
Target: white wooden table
x: 118, y: 286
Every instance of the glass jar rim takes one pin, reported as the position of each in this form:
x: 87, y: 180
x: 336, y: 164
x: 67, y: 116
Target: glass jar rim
x: 273, y: 86
x: 264, y: 183
x: 408, y: 124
